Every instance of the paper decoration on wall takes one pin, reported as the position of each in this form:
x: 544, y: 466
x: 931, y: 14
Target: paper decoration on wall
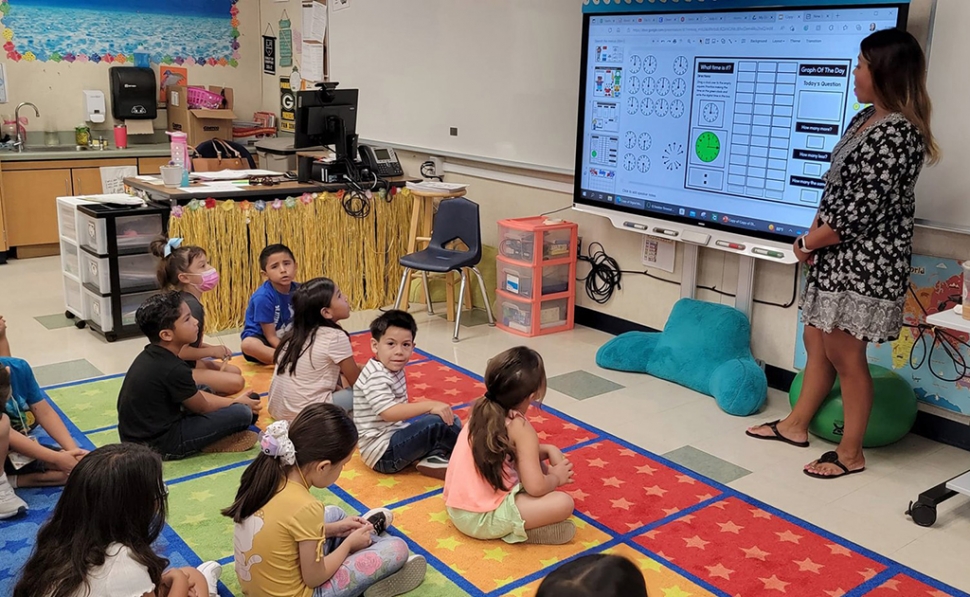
x: 269, y: 51
x: 340, y: 4
x: 187, y: 33
x: 286, y: 41
x: 287, y: 106
x: 169, y: 76
x: 296, y: 81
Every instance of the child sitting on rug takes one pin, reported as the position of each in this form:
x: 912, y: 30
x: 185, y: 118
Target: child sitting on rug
x: 389, y: 443
x: 314, y: 354
x: 288, y: 543
x: 159, y: 404
x: 597, y: 575
x: 27, y: 463
x: 498, y: 485
x: 269, y: 312
x: 99, y: 539
x: 186, y: 269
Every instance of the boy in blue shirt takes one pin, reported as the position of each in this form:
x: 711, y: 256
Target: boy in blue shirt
x: 269, y: 311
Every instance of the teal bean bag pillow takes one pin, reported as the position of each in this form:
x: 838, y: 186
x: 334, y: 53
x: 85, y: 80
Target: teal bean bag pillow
x: 893, y: 409
x: 705, y: 347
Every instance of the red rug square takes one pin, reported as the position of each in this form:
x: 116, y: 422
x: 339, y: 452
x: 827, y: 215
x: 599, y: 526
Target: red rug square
x: 624, y: 490
x: 431, y: 380
x: 746, y: 551
x: 902, y: 585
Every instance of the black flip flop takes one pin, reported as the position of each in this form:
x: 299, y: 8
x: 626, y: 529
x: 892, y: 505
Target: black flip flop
x: 832, y: 458
x: 777, y: 437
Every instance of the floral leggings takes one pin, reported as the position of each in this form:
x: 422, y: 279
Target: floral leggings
x: 385, y: 556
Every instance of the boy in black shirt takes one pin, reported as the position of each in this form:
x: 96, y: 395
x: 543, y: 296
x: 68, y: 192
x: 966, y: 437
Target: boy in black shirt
x: 159, y: 404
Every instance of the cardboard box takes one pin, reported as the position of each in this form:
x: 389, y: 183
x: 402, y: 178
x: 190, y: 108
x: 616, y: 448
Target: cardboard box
x: 201, y: 125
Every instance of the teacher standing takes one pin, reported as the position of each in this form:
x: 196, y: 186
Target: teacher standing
x: 859, y: 245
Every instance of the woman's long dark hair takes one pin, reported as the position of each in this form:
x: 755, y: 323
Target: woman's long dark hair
x: 597, y: 575
x: 114, y: 495
x: 320, y: 432
x: 510, y: 378
x: 309, y: 300
x: 898, y: 68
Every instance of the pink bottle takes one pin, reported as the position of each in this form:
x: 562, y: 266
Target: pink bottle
x: 180, y: 150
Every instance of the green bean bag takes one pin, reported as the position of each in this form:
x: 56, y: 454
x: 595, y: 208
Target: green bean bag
x: 893, y: 409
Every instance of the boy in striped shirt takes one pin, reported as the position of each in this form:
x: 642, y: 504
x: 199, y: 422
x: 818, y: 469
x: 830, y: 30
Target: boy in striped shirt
x: 395, y: 433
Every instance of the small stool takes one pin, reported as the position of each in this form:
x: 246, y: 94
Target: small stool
x: 419, y: 235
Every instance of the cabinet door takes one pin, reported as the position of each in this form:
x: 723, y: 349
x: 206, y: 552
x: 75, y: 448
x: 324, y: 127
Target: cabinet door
x: 87, y: 181
x: 150, y: 165
x: 30, y: 204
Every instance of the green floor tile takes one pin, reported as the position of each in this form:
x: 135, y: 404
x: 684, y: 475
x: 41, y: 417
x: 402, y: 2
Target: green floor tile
x: 55, y: 321
x: 90, y: 406
x: 48, y: 375
x: 710, y: 466
x: 582, y: 385
x: 469, y: 319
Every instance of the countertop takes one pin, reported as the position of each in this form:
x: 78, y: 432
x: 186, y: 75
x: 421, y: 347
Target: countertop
x: 68, y: 152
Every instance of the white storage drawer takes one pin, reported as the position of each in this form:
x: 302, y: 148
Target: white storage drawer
x: 134, y: 232
x: 98, y: 308
x: 134, y: 272
x: 67, y: 220
x: 69, y: 259
x: 72, y: 297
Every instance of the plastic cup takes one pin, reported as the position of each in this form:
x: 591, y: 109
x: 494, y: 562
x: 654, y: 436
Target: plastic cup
x: 121, y: 136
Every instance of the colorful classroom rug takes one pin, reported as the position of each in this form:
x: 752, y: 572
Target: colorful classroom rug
x: 691, y: 536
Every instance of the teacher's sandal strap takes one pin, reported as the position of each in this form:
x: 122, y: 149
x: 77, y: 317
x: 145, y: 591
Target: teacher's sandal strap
x: 832, y: 458
x: 777, y: 437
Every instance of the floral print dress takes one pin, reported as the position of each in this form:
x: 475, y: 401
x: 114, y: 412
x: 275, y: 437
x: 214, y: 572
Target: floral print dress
x: 859, y: 285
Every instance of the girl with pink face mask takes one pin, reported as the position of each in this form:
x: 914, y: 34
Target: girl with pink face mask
x: 186, y: 268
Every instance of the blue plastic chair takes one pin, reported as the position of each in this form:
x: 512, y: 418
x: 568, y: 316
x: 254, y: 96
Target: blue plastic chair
x: 456, y: 219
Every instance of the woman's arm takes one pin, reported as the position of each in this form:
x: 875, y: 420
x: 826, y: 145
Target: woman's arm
x: 821, y: 236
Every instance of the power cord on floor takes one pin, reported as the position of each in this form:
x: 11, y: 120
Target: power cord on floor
x: 604, y: 278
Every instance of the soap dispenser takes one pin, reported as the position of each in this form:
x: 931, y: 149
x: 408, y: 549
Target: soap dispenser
x: 94, y: 107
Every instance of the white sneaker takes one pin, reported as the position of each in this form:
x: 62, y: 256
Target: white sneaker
x: 10, y: 504
x: 212, y: 571
x: 381, y: 518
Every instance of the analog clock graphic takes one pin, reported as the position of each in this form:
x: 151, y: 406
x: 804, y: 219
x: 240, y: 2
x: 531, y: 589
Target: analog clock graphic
x: 681, y: 64
x: 630, y: 140
x: 663, y: 86
x: 650, y: 65
x: 646, y: 106
x: 677, y: 108
x: 644, y: 142
x: 680, y: 87
x: 710, y: 112
x: 633, y: 85
x: 661, y: 107
x: 707, y: 147
x: 673, y: 156
x: 632, y: 105
x: 643, y: 164
x: 648, y: 85
x: 635, y: 63
x: 629, y: 162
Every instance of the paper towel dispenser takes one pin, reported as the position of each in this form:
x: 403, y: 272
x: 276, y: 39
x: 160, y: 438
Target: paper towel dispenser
x: 134, y: 95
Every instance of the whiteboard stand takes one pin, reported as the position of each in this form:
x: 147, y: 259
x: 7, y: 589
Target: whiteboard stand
x: 923, y: 510
x: 744, y: 297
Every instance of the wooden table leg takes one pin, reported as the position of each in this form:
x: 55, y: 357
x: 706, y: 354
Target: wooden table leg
x: 416, y: 204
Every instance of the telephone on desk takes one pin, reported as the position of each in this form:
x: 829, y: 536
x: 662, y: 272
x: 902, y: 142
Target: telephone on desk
x: 382, y: 161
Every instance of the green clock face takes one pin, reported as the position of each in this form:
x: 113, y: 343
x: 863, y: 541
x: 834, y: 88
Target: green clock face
x: 708, y: 147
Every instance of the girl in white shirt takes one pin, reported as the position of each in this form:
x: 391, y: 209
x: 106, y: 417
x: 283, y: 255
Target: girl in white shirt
x: 98, y: 542
x: 314, y: 353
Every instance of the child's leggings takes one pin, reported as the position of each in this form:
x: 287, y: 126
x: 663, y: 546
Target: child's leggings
x: 385, y: 556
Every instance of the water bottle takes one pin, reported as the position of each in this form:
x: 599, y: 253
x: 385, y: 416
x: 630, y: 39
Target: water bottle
x: 180, y: 150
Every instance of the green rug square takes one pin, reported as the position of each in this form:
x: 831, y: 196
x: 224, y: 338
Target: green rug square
x: 55, y: 321
x: 706, y: 464
x: 68, y: 371
x: 582, y: 385
x: 90, y: 406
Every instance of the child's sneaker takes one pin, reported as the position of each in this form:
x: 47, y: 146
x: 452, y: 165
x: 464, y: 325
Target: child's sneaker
x: 381, y: 518
x: 10, y: 504
x: 433, y: 466
x: 552, y: 534
x: 212, y: 572
x: 406, y: 579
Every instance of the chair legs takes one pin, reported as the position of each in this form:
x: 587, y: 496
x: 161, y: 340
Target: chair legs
x: 400, y: 291
x: 427, y: 293
x: 461, y: 302
x: 488, y: 303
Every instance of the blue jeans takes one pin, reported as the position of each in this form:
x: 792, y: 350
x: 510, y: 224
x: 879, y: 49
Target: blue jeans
x: 194, y: 432
x: 424, y: 436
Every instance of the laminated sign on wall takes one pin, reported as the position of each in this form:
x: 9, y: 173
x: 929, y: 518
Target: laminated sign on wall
x: 286, y: 41
x: 269, y: 54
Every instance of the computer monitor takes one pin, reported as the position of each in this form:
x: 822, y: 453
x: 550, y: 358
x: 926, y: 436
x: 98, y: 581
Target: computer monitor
x: 327, y: 116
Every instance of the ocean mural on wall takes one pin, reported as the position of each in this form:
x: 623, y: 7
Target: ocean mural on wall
x: 181, y: 32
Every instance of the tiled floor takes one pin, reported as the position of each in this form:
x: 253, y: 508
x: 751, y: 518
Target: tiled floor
x: 661, y: 417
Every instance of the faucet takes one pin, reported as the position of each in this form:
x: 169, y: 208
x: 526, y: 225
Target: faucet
x: 21, y: 141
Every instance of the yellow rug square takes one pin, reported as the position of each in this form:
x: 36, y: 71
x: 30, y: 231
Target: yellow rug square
x: 375, y: 489
x: 488, y: 565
